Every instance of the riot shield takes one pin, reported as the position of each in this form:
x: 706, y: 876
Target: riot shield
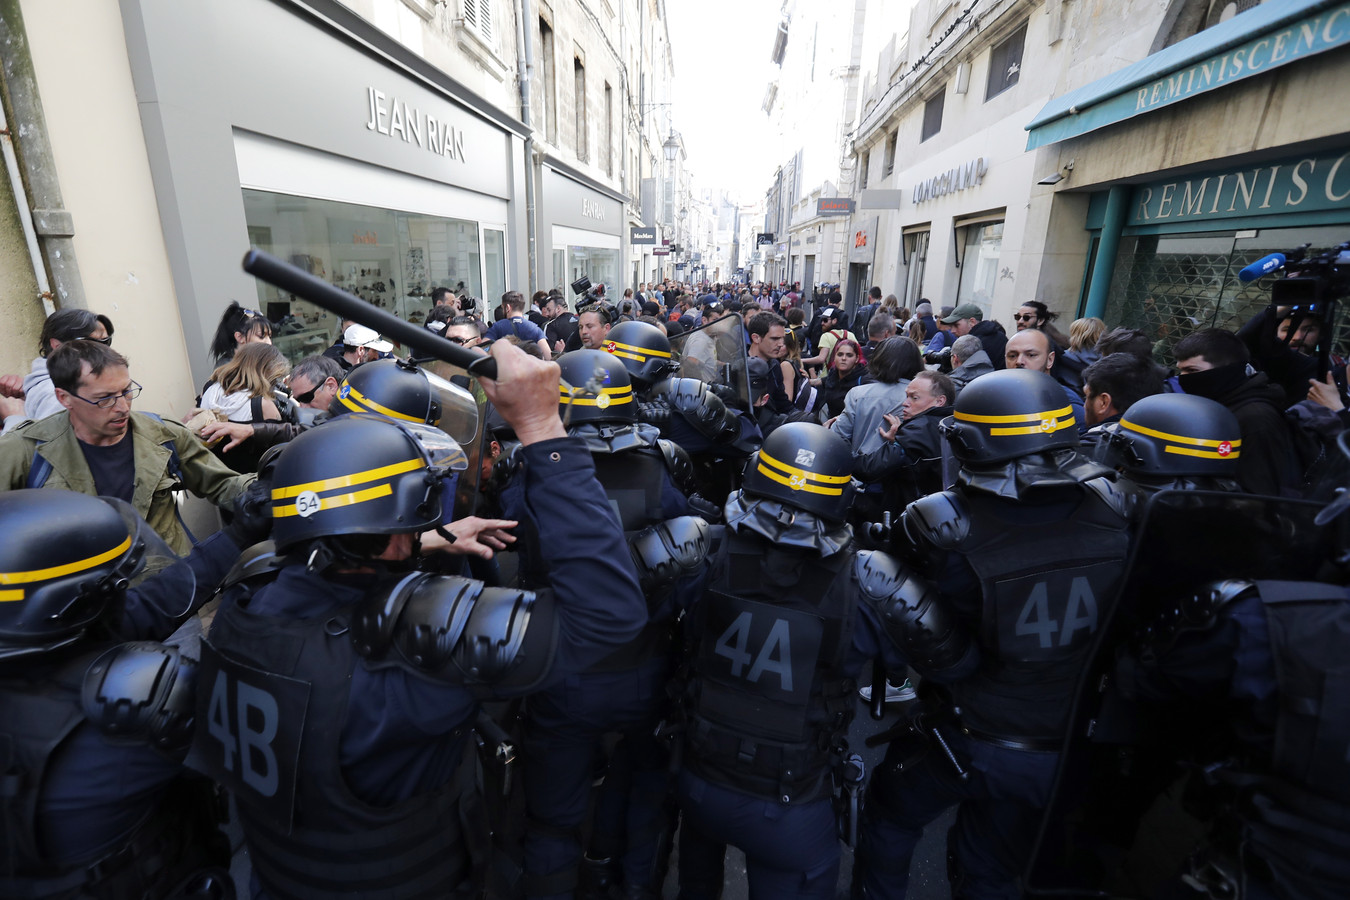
x: 714, y: 353
x: 472, y: 432
x: 1116, y: 824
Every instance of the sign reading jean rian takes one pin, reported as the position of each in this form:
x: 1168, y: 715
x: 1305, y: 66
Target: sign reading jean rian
x: 388, y: 115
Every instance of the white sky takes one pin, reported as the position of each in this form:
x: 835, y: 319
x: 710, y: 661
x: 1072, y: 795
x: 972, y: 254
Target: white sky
x: 722, y: 69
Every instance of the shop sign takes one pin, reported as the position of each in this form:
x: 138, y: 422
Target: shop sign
x: 834, y: 206
x: 638, y: 234
x: 1309, y: 183
x: 765, y: 238
x: 592, y: 210
x: 393, y: 117
x: 949, y: 182
x: 661, y: 251
x: 862, y: 248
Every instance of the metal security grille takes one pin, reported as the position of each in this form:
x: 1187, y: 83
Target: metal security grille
x: 1171, y: 285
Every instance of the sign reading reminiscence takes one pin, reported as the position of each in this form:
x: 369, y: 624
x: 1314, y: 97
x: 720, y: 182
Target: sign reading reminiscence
x: 390, y: 116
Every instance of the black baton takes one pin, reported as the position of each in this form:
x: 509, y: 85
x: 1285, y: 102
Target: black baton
x: 348, y: 306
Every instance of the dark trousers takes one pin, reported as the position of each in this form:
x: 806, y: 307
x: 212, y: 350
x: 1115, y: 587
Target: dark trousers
x: 790, y: 851
x: 563, y: 742
x: 996, y: 822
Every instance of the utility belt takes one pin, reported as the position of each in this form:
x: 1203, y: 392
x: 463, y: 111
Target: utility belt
x: 785, y: 773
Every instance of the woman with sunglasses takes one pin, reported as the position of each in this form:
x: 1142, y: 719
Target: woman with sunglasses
x: 239, y: 326
x: 32, y: 397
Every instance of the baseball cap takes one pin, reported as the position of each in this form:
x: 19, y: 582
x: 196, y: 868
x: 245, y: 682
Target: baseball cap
x: 964, y: 311
x: 361, y: 336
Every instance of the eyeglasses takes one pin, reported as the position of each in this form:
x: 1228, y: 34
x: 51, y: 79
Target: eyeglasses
x: 307, y: 396
x: 110, y: 401
x: 1024, y: 317
x: 105, y: 341
x: 456, y: 340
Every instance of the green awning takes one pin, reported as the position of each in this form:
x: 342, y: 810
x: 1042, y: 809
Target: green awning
x: 1271, y: 35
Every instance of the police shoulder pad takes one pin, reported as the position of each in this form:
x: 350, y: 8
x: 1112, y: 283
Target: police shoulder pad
x: 142, y: 691
x: 940, y: 519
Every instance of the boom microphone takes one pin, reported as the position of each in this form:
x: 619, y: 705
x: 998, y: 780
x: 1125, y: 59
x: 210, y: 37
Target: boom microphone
x: 1263, y: 266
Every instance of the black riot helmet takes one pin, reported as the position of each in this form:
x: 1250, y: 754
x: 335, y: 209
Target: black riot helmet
x: 645, y: 351
x: 404, y: 391
x: 361, y: 474
x: 805, y: 466
x: 600, y: 391
x: 1010, y: 413
x: 66, y: 560
x: 1173, y: 435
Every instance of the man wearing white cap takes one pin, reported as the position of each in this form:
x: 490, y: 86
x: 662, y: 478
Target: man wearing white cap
x: 361, y: 344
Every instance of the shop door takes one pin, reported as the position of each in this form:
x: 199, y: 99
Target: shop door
x: 856, y: 287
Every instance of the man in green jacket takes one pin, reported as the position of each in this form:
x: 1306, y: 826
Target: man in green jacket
x: 99, y: 446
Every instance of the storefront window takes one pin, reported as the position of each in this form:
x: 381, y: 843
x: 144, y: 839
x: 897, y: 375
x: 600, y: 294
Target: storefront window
x: 979, y: 265
x: 1171, y: 285
x: 390, y: 259
x: 600, y: 265
x: 494, y: 269
x: 916, y: 244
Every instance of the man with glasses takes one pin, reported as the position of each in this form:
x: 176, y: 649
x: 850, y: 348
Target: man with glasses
x: 98, y: 446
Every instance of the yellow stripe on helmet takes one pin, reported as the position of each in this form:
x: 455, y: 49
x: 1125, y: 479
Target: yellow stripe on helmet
x: 1045, y: 426
x: 611, y: 396
x: 342, y: 481
x: 1177, y: 438
x: 80, y: 565
x: 337, y: 500
x: 1203, y: 454
x: 365, y: 404
x: 1014, y: 420
x: 802, y: 473
x: 611, y: 346
x: 797, y: 483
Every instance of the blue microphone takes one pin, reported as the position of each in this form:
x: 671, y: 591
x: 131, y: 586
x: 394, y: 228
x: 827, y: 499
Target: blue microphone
x: 1263, y: 266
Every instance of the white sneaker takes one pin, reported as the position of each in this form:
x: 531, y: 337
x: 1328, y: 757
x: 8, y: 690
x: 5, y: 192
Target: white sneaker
x: 902, y: 694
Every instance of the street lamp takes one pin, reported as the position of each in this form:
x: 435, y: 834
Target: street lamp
x: 671, y: 146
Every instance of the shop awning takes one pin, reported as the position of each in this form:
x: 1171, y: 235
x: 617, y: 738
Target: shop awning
x: 1271, y: 35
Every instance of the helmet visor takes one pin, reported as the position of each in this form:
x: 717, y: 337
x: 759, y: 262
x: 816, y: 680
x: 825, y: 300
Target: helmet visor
x: 454, y: 409
x: 443, y: 451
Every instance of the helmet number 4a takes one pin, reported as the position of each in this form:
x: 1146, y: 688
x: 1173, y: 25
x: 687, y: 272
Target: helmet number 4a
x: 1080, y: 613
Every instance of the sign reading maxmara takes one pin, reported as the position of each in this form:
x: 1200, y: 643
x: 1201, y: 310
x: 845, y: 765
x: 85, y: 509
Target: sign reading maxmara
x: 391, y: 116
x: 955, y: 179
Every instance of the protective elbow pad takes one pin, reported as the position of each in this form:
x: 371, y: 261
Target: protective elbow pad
x: 940, y: 520
x: 699, y: 406
x: 142, y: 691
x: 446, y: 626
x: 914, y: 617
x: 669, y: 550
x: 680, y: 466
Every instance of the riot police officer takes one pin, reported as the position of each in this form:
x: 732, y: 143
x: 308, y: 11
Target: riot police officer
x: 95, y: 714
x: 686, y: 410
x: 1028, y: 549
x: 1174, y: 441
x: 775, y: 644
x: 645, y: 479
x: 338, y: 696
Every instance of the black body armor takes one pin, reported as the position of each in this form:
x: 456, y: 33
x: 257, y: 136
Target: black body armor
x: 1046, y: 586
x: 272, y: 703
x: 768, y: 705
x: 174, y: 843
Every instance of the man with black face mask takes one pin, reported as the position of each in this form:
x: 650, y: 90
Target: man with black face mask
x: 1214, y: 363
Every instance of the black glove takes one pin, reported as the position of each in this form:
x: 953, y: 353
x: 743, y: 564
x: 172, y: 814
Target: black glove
x: 252, y: 521
x: 727, y: 394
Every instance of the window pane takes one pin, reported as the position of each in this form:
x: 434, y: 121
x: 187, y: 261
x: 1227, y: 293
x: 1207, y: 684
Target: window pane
x: 494, y: 262
x: 1005, y: 64
x: 979, y: 265
x: 390, y: 259
x: 932, y: 115
x: 601, y: 266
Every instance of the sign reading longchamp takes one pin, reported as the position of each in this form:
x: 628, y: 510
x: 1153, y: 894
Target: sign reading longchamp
x: 1102, y: 103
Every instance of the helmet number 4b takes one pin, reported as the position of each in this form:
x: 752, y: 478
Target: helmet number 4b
x: 1035, y: 619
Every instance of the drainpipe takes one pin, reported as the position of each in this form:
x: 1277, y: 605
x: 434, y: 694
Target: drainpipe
x: 47, y: 225
x: 1104, y: 264
x: 524, y: 14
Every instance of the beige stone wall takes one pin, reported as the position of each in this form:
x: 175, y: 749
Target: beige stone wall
x: 20, y: 308
x: 79, y: 54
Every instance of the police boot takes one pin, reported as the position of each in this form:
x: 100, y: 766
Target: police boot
x: 599, y: 879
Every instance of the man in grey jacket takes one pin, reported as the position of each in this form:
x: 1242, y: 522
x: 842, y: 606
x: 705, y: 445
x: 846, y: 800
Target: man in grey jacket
x: 969, y: 361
